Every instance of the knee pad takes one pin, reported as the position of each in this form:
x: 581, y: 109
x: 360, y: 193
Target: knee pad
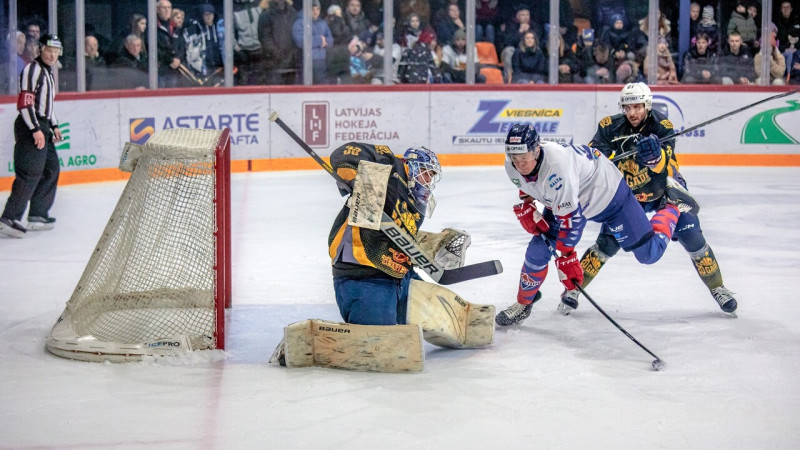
x: 607, y: 245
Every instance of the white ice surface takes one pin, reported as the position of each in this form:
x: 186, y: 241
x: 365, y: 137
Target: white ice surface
x: 553, y: 382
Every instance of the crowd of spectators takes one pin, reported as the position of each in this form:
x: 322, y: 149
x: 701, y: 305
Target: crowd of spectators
x: 606, y: 45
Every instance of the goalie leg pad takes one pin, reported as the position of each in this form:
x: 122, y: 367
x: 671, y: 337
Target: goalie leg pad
x: 369, y: 195
x: 368, y: 348
x: 446, y: 319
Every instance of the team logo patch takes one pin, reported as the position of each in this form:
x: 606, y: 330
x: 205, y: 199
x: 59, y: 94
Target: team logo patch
x: 555, y: 181
x: 527, y: 283
x: 141, y: 129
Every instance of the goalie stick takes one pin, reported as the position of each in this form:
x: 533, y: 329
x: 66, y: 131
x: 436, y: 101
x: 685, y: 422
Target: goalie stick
x: 402, y: 239
x: 658, y: 363
x: 699, y: 125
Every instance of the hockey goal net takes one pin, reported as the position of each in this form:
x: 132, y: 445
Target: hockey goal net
x: 158, y: 281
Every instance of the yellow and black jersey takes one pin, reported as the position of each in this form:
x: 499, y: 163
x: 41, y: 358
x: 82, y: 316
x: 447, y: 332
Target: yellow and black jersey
x: 359, y: 252
x: 647, y: 184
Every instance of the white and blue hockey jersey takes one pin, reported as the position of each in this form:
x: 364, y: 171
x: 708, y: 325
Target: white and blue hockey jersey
x: 576, y: 182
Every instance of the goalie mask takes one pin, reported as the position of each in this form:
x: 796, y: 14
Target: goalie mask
x: 424, y: 171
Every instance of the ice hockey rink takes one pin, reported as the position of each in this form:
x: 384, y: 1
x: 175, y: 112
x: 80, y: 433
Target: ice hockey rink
x: 553, y: 382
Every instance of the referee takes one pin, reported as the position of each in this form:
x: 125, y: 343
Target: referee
x: 36, y: 165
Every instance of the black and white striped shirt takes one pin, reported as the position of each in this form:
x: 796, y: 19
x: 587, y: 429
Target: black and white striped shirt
x: 37, y: 78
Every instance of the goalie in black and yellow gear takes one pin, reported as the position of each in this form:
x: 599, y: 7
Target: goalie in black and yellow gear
x: 373, y: 278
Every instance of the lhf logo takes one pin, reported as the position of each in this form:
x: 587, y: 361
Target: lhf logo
x: 142, y: 129
x: 315, y: 124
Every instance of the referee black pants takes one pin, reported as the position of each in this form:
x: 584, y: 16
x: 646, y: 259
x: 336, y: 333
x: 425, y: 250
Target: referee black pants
x: 36, y: 173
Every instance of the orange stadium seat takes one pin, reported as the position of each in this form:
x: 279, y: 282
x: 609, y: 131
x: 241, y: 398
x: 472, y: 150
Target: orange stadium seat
x: 487, y: 53
x: 493, y: 75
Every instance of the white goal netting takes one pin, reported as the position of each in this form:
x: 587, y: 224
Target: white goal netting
x: 150, y: 286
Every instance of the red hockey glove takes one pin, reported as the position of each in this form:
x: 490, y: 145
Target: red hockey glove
x: 531, y: 220
x: 569, y: 270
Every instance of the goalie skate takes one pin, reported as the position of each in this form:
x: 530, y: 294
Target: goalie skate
x: 516, y: 313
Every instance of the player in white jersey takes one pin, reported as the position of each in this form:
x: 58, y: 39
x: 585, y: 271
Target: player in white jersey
x: 575, y: 184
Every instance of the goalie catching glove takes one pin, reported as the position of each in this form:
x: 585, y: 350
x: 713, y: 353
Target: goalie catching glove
x: 448, y: 248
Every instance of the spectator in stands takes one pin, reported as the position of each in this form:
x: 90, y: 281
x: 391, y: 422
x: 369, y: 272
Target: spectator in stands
x: 788, y: 53
x: 528, y: 63
x: 20, y: 48
x: 627, y: 71
x: 630, y: 44
x: 606, y: 13
x: 486, y: 18
x: 275, y: 33
x: 248, y: 52
x: 568, y: 65
x: 599, y: 67
x: 362, y: 62
x: 794, y: 68
x: 511, y: 35
x: 667, y: 74
x: 168, y: 58
x: 736, y: 61
x: 339, y: 30
x: 34, y: 30
x: 743, y: 24
x: 137, y: 27
x: 129, y: 71
x: 410, y: 31
x: 203, y: 43
x: 31, y: 49
x: 338, y: 55
x: 700, y: 63
x: 95, y: 64
x: 777, y: 63
x: 664, y: 28
x: 752, y: 13
x: 417, y: 64
x: 321, y: 40
x: 709, y: 26
x: 786, y: 20
x: 378, y: 50
x: 177, y: 19
x: 454, y: 59
x: 357, y: 21
x: 694, y: 18
x: 449, y: 24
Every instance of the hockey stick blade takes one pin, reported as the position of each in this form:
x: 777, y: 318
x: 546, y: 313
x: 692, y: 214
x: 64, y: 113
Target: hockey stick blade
x: 471, y: 272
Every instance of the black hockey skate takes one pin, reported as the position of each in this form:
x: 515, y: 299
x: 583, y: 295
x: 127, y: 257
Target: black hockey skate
x: 569, y: 301
x: 12, y: 228
x: 725, y: 299
x: 516, y: 313
x: 678, y: 195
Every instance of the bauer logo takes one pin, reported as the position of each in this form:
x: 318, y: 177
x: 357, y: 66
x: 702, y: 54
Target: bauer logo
x: 496, y: 119
x: 141, y: 129
x: 315, y: 124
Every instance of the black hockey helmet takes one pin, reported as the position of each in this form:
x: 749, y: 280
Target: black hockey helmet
x: 521, y: 138
x: 51, y: 40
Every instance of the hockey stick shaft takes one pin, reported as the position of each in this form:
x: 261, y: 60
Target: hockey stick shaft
x: 402, y: 239
x: 707, y: 122
x: 555, y: 255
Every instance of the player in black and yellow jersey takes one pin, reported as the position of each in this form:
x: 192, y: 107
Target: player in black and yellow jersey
x: 649, y: 173
x: 371, y: 275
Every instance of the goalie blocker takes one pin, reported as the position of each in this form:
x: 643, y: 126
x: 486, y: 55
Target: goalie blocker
x: 434, y: 313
